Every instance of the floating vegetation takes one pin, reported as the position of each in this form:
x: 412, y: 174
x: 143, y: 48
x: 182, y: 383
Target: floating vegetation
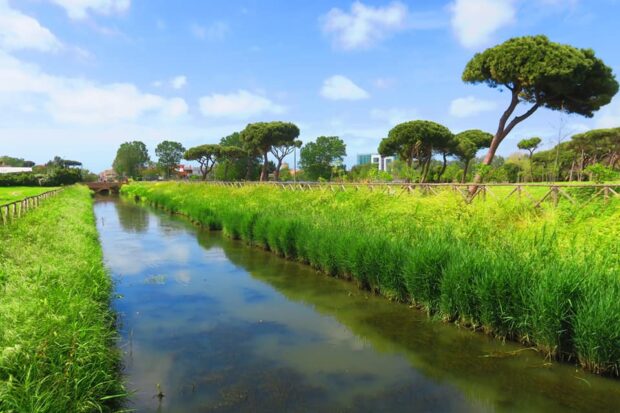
x: 155, y: 279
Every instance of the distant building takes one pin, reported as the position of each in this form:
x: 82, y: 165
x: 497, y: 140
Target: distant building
x: 14, y: 169
x: 382, y: 162
x: 109, y: 175
x: 364, y: 158
x: 184, y: 171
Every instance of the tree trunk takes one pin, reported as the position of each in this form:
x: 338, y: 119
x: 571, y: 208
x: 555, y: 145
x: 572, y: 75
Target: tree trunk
x: 503, y: 130
x: 425, y: 168
x: 465, y: 169
x: 263, y: 172
x: 248, y: 168
x: 443, y: 167
x: 276, y: 174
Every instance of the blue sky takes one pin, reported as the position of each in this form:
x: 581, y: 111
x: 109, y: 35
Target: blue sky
x: 79, y: 77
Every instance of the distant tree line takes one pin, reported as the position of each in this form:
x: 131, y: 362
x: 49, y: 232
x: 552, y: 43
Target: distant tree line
x: 536, y: 73
x: 57, y: 171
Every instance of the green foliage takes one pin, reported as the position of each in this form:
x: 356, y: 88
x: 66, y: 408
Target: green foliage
x: 55, y: 177
x: 131, y: 158
x: 541, y: 73
x: 416, y: 140
x: 278, y: 138
x: 556, y: 76
x: 318, y: 158
x: 60, y: 163
x: 15, y: 162
x: 600, y: 173
x: 20, y: 179
x: 530, y: 144
x: 236, y: 168
x: 205, y: 155
x: 169, y: 154
x: 62, y: 176
x: 57, y: 339
x: 467, y: 144
x: 516, y: 272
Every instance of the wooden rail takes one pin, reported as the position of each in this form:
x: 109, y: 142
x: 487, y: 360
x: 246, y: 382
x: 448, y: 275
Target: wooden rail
x: 16, y: 209
x: 553, y: 192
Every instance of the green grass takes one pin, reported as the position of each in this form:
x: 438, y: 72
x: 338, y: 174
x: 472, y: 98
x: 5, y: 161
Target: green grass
x: 548, y: 277
x: 57, y: 337
x: 15, y: 193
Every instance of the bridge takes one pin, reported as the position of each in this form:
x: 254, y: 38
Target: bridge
x: 105, y: 187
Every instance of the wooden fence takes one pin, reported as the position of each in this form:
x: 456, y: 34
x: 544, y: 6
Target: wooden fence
x: 16, y: 209
x: 536, y: 193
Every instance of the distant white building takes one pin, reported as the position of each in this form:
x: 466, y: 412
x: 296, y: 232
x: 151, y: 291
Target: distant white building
x: 382, y: 162
x: 109, y: 175
x: 14, y: 169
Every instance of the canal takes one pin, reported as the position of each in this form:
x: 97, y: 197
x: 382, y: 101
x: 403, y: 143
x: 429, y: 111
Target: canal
x: 208, y: 324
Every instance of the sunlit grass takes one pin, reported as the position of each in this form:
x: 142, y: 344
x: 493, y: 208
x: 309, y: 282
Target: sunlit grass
x: 57, y: 338
x: 549, y: 277
x: 15, y: 193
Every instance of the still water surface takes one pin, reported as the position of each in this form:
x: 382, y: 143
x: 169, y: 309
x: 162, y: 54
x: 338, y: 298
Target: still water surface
x: 221, y: 327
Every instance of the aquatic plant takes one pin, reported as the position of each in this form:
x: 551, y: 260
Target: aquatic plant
x: 548, y: 277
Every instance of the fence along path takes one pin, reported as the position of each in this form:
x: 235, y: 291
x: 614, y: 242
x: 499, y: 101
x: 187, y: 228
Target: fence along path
x: 551, y: 193
x: 16, y: 209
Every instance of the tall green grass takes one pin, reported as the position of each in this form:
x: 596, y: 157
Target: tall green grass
x: 57, y: 338
x: 548, y: 277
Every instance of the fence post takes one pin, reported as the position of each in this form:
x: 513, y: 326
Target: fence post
x: 606, y: 192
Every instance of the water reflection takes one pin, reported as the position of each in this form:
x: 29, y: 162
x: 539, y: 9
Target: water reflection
x: 132, y: 218
x: 229, y: 328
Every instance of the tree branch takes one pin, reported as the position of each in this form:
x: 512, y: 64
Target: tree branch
x: 511, y: 108
x: 521, y: 118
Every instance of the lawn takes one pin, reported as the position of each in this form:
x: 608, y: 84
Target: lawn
x: 14, y: 193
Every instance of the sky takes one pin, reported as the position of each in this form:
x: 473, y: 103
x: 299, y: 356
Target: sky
x: 80, y: 77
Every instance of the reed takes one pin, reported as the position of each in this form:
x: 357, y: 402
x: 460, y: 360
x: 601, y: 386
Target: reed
x: 548, y: 277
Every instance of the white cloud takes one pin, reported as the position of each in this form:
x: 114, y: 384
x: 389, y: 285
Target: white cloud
x: 470, y: 106
x: 238, y: 105
x: 178, y: 82
x: 79, y: 9
x: 394, y: 116
x: 475, y: 21
x: 363, y: 26
x: 74, y: 100
x: 339, y: 87
x: 384, y: 82
x: 19, y: 31
x: 215, y: 32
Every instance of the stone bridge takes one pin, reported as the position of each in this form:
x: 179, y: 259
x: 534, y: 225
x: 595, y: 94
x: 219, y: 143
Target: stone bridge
x: 105, y: 187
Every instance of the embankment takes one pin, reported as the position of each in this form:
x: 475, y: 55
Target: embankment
x: 548, y: 277
x: 57, y: 336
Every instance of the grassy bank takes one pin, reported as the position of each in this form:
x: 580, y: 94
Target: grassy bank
x: 545, y: 277
x: 15, y: 193
x: 57, y: 350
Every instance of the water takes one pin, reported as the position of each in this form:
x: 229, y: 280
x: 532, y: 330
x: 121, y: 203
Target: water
x: 217, y: 326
